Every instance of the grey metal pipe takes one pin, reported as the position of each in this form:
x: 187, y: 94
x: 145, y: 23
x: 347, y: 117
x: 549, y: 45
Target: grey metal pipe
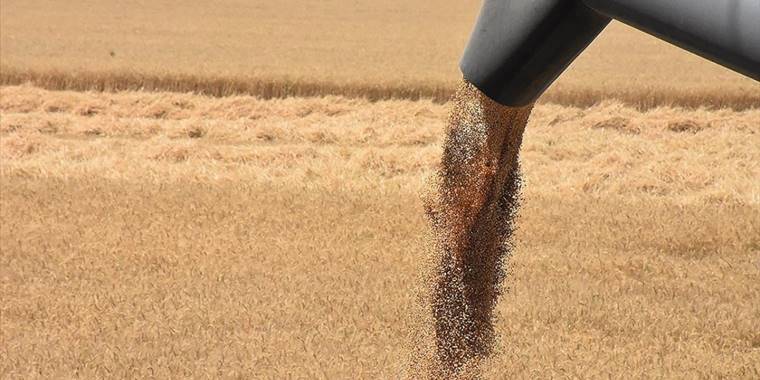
x: 724, y: 31
x: 519, y: 47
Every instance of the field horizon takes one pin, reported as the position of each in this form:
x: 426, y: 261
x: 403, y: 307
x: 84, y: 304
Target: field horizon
x: 388, y: 50
x: 283, y: 87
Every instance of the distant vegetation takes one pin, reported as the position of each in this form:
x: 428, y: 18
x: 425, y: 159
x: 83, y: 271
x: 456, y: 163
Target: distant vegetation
x: 216, y: 85
x: 391, y: 49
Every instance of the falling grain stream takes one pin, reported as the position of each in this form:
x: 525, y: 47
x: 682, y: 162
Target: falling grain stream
x: 471, y: 205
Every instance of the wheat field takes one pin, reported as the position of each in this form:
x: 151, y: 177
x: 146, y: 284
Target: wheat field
x: 378, y: 50
x: 233, y: 190
x: 176, y: 235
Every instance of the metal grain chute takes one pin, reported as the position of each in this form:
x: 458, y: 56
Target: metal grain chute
x: 519, y: 47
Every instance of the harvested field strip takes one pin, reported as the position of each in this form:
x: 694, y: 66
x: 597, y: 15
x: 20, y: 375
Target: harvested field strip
x: 219, y: 86
x: 608, y: 149
x: 439, y: 92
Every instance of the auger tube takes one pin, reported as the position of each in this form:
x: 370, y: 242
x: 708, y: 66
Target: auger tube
x: 726, y: 32
x: 519, y: 47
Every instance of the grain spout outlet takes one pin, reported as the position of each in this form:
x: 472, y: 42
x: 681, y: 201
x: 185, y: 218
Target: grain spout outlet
x: 519, y: 47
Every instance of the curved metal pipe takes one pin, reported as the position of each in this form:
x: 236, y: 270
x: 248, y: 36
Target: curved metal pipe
x: 724, y: 31
x: 519, y: 47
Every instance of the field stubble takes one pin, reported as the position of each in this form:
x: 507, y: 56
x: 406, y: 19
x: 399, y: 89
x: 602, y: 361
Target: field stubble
x: 164, y: 234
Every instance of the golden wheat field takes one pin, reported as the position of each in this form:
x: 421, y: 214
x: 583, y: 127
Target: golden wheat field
x: 233, y: 190
x: 174, y: 235
x: 377, y: 49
